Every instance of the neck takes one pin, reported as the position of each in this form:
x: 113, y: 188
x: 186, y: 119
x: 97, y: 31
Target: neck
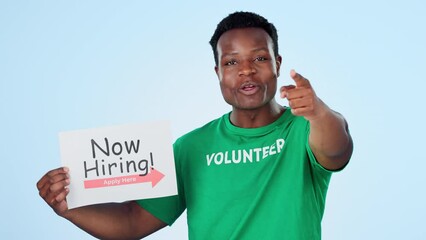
x: 254, y: 118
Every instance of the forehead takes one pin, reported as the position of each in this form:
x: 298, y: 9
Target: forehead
x: 244, y: 38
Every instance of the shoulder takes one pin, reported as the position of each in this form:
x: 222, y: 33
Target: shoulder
x: 201, y: 134
x: 292, y: 122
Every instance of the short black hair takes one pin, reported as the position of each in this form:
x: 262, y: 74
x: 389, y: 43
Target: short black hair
x: 243, y: 20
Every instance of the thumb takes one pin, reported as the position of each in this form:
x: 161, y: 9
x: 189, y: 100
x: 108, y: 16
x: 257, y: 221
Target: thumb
x: 299, y: 79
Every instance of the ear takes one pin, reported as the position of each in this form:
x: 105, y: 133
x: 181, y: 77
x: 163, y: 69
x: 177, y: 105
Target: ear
x: 278, y: 61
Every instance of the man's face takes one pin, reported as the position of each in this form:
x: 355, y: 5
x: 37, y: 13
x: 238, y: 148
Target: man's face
x: 247, y: 68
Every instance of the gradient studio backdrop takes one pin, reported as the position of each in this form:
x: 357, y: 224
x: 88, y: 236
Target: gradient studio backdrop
x: 68, y: 65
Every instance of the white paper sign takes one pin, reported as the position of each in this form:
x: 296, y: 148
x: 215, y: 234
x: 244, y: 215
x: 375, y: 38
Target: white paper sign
x: 119, y: 163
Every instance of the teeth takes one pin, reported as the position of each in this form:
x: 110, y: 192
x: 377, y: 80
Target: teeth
x: 248, y: 86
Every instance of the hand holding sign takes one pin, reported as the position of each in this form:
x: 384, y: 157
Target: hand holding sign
x: 302, y: 98
x: 53, y: 188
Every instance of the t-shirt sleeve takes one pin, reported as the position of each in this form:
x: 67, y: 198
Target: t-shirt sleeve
x: 168, y: 209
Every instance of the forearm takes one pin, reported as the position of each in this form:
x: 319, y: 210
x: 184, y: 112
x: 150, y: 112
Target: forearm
x: 330, y: 140
x: 109, y: 221
x: 105, y: 221
x: 329, y: 137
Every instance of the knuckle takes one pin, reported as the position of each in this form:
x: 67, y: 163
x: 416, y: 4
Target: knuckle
x: 52, y: 188
x: 51, y: 173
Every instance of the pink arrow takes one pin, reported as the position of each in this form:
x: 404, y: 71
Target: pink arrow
x: 153, y: 176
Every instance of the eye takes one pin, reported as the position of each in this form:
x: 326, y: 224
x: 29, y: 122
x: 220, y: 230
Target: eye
x: 260, y: 59
x: 231, y: 62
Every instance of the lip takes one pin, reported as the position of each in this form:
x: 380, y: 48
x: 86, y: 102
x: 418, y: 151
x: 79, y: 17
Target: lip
x: 249, y: 88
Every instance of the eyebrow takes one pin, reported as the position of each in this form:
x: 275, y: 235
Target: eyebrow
x: 253, y: 50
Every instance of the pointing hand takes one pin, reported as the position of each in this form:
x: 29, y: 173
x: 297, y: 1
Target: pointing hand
x: 302, y: 98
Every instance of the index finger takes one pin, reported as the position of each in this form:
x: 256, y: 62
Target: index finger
x: 299, y: 79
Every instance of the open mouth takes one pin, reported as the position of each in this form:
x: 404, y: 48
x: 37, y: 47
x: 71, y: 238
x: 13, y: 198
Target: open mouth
x: 249, y: 88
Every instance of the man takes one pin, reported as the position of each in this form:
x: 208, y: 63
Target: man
x: 260, y: 171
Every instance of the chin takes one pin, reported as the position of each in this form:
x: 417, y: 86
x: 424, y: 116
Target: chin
x: 248, y: 107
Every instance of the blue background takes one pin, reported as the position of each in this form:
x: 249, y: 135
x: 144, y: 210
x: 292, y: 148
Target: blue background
x: 68, y: 65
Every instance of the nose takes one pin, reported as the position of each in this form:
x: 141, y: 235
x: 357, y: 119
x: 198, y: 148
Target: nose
x: 246, y: 68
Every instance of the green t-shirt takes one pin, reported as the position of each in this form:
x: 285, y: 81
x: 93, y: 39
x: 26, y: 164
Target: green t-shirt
x: 247, y: 183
